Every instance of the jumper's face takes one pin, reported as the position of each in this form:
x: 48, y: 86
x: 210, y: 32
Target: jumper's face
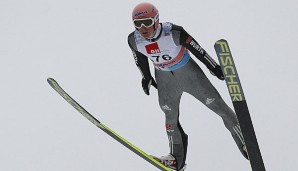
x: 147, y: 32
x: 146, y: 25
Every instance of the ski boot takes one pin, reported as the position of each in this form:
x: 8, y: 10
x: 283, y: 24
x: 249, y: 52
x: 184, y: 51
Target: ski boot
x: 243, y: 150
x: 238, y: 138
x: 245, y: 153
x: 169, y: 161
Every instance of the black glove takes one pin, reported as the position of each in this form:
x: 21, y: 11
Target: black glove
x: 217, y: 72
x: 146, y: 83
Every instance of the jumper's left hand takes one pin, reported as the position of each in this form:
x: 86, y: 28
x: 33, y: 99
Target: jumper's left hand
x: 146, y: 83
x: 217, y: 72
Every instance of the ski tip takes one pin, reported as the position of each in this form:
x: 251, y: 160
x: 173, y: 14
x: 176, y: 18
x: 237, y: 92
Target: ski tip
x: 221, y: 40
x: 50, y: 80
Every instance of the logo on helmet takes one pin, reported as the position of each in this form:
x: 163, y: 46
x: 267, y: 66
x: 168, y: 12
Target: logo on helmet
x: 153, y: 8
x: 140, y: 13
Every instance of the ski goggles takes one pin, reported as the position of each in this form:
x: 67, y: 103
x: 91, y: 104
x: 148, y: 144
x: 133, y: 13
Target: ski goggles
x: 146, y: 22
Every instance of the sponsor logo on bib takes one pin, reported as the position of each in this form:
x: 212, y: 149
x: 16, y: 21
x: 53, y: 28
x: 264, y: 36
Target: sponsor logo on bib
x: 152, y: 48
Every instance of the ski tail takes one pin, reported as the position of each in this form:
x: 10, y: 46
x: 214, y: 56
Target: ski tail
x: 239, y: 102
x: 107, y: 130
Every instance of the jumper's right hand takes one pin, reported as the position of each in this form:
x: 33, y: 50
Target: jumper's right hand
x: 146, y: 83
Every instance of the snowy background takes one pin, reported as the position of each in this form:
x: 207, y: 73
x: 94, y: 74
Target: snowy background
x: 83, y: 45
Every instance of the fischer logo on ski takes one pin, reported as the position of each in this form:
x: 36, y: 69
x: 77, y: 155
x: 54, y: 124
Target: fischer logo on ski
x: 230, y: 72
x: 241, y: 109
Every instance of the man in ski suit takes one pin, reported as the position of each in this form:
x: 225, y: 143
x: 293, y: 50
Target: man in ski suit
x: 167, y: 45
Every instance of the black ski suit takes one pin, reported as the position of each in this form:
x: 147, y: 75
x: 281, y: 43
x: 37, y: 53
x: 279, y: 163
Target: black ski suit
x: 176, y: 72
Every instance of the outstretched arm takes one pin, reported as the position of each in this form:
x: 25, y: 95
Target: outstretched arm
x: 186, y: 40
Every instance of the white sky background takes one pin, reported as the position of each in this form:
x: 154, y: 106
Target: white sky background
x: 83, y: 45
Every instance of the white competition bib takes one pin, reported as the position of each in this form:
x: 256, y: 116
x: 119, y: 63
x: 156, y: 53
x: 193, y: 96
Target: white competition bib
x: 164, y: 53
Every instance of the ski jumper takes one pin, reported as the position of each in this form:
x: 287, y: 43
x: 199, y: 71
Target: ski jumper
x: 176, y: 72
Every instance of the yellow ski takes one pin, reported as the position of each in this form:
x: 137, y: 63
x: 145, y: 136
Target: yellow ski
x: 107, y: 130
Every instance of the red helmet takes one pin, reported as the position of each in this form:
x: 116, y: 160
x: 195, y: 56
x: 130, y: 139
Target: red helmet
x: 145, y: 10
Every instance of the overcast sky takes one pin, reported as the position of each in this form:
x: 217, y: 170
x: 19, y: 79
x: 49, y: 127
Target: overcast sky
x: 83, y: 45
